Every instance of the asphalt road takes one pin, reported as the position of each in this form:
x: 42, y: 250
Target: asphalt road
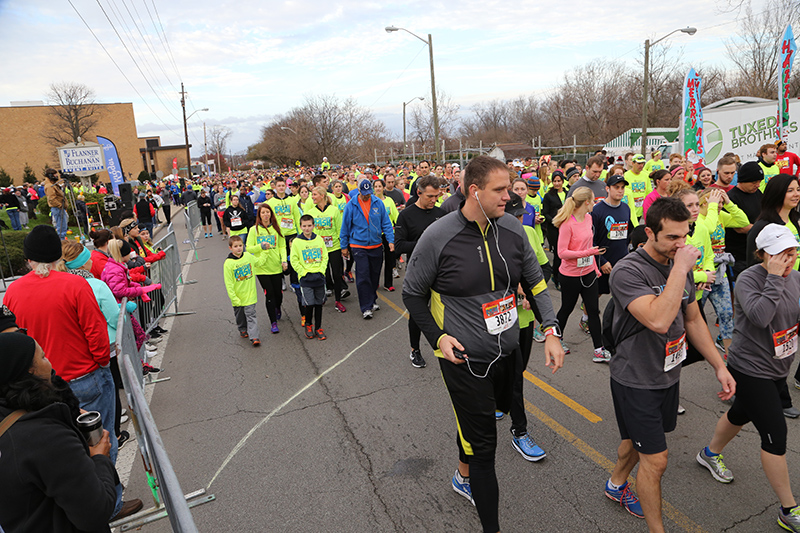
x: 348, y: 436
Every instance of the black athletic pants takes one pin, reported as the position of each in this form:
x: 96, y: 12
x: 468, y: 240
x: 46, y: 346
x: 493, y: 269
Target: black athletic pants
x: 587, y: 287
x: 333, y: 274
x: 388, y: 264
x: 271, y: 283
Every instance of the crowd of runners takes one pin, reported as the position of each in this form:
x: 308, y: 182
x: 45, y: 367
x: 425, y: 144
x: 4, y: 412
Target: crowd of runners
x: 480, y: 250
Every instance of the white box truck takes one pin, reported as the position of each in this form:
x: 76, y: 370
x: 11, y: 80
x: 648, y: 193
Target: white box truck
x: 741, y: 125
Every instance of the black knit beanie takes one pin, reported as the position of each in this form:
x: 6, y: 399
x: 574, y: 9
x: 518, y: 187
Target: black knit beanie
x: 42, y: 245
x: 16, y: 356
x: 7, y: 318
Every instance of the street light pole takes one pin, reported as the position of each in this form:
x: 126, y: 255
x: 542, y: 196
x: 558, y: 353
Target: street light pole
x: 429, y: 42
x: 646, y: 84
x: 186, y: 133
x: 404, y: 121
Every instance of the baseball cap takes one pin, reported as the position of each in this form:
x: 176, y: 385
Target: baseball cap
x: 518, y: 163
x: 616, y: 178
x: 365, y: 187
x: 638, y: 158
x: 514, y: 205
x: 775, y: 238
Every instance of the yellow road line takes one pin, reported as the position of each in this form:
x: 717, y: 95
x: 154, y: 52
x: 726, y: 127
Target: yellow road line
x: 683, y: 521
x: 394, y: 306
x: 563, y: 398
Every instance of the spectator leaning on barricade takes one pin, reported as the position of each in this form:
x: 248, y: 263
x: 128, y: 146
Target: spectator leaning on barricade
x: 70, y: 327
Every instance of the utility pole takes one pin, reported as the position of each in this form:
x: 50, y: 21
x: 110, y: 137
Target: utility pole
x: 186, y: 134
x: 433, y: 95
x: 645, y: 95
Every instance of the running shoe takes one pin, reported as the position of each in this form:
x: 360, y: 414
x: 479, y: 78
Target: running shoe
x: 395, y: 273
x: 150, y: 353
x: 416, y: 359
x: 499, y: 415
x: 345, y: 295
x: 124, y: 436
x: 720, y: 345
x: 715, y: 466
x: 584, y: 325
x: 321, y: 334
x: 601, y: 355
x: 339, y: 307
x: 462, y: 487
x: 149, y: 369
x: 791, y: 412
x: 309, y: 331
x: 791, y: 521
x: 376, y: 307
x: 256, y: 343
x: 349, y: 276
x: 564, y: 346
x: 681, y: 409
x: 278, y: 314
x: 528, y: 449
x: 367, y: 314
x: 538, y: 336
x: 626, y: 498
x: 796, y: 384
x: 275, y: 327
x: 243, y: 334
x: 389, y: 289
x: 328, y: 292
x: 160, y: 329
x: 123, y: 419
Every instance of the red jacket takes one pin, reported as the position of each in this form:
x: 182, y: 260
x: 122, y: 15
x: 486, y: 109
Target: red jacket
x: 62, y: 314
x: 99, y: 260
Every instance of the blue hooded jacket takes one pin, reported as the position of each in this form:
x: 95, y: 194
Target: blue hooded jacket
x: 358, y: 230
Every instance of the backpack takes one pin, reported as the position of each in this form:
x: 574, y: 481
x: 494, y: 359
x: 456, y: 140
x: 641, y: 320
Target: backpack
x: 609, y: 342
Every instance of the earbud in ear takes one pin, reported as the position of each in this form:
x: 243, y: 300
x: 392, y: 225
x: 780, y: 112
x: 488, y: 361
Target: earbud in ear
x: 476, y: 196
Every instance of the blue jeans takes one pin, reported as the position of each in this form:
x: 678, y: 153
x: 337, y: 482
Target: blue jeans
x: 368, y: 262
x: 13, y: 216
x: 96, y: 392
x: 720, y: 296
x: 59, y: 221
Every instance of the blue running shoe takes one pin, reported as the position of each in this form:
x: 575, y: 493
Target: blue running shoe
x: 626, y: 498
x: 461, y: 486
x: 498, y: 415
x: 528, y: 449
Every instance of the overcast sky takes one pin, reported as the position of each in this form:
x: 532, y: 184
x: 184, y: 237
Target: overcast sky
x: 249, y: 60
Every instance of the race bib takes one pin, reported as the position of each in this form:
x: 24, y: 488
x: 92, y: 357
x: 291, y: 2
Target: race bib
x: 287, y: 223
x: 328, y: 241
x: 676, y: 353
x: 638, y: 202
x: 587, y: 261
x: 785, y: 342
x: 618, y: 231
x: 500, y: 314
x: 236, y: 221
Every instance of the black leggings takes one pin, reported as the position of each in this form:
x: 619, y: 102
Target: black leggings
x: 114, y: 365
x: 333, y: 274
x: 271, y: 283
x: 414, y: 333
x: 388, y: 264
x: 758, y: 401
x: 315, y: 312
x: 587, y: 287
x: 205, y: 217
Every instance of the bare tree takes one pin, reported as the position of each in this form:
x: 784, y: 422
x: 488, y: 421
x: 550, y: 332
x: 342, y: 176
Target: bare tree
x: 218, y: 137
x: 754, y: 50
x: 421, y: 118
x: 73, y: 112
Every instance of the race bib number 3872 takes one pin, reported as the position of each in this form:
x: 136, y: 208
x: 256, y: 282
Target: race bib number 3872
x: 500, y: 314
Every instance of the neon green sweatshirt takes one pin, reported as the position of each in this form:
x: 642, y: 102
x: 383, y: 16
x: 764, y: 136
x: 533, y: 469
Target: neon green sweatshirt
x: 240, y: 282
x: 309, y: 255
x: 327, y: 224
x: 701, y: 240
x: 287, y: 213
x: 273, y: 256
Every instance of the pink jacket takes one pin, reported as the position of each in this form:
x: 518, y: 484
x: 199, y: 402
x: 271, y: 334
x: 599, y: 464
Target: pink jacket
x: 115, y: 274
x: 574, y: 243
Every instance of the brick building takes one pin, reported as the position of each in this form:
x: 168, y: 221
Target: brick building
x: 23, y: 130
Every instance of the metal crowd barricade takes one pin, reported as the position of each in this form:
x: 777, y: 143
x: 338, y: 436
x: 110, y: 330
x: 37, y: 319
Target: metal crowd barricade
x: 193, y: 223
x: 168, y: 497
x: 169, y: 273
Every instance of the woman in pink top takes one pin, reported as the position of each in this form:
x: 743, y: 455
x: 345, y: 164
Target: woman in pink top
x: 661, y: 179
x: 578, y: 272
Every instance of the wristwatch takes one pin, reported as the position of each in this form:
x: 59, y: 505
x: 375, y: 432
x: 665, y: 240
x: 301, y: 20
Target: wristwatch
x: 553, y: 330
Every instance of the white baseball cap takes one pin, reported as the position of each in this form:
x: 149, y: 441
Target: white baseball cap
x: 775, y: 238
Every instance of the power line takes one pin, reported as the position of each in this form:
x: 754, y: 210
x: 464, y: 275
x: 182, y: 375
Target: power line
x: 147, y: 41
x: 136, y: 64
x: 398, y: 76
x: 120, y: 69
x: 169, y: 48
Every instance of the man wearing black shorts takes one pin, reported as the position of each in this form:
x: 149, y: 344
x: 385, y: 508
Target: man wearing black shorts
x: 655, y: 312
x: 468, y: 265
